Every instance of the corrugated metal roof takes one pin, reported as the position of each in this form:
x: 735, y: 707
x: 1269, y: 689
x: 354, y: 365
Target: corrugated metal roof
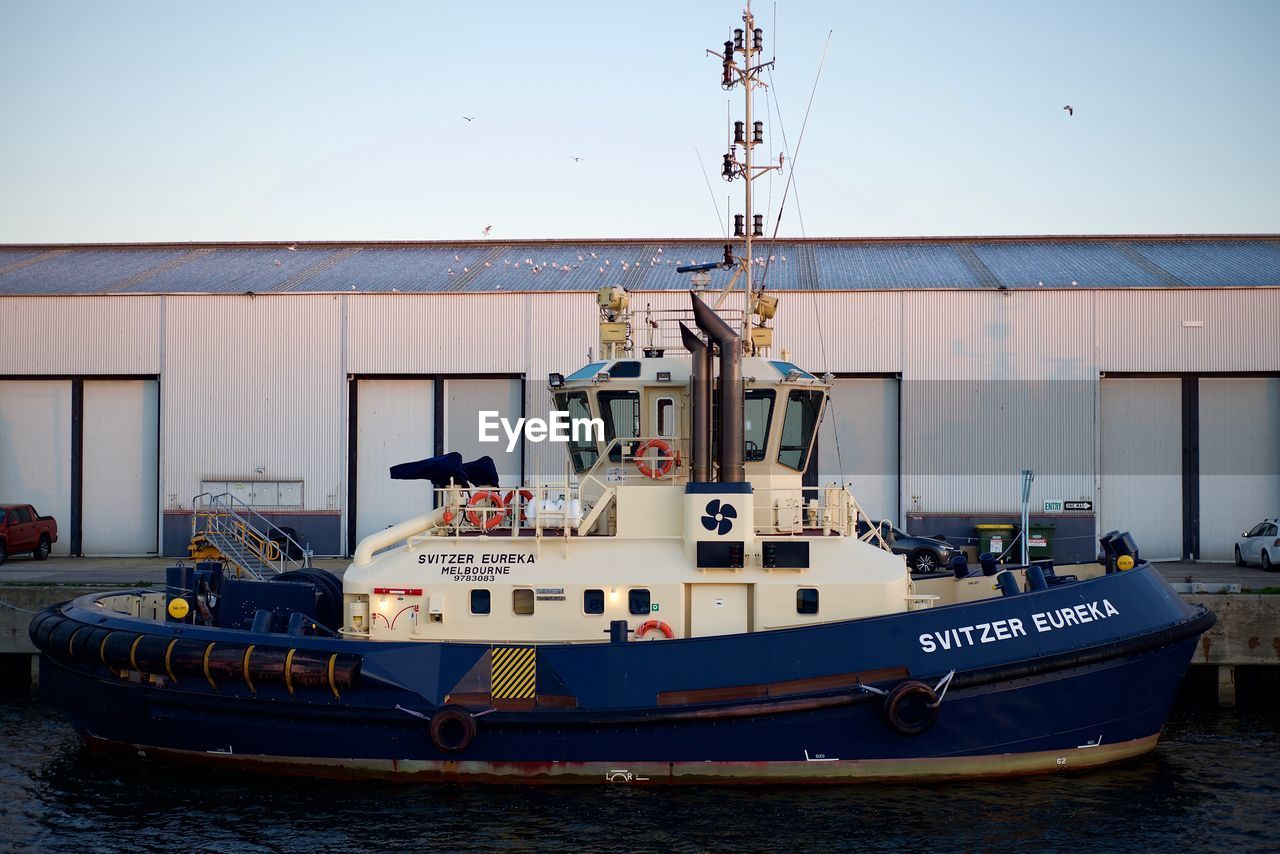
x: 547, y: 266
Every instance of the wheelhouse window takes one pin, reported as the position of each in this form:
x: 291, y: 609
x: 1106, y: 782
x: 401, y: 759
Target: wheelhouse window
x: 757, y: 415
x: 620, y: 411
x: 593, y: 601
x: 624, y: 370
x: 480, y: 603
x: 638, y: 601
x: 522, y: 601
x: 798, y: 426
x: 666, y: 417
x: 583, y: 452
x: 807, y: 600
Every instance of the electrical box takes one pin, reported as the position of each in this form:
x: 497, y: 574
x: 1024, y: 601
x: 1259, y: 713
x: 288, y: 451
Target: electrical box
x: 613, y: 333
x: 721, y: 554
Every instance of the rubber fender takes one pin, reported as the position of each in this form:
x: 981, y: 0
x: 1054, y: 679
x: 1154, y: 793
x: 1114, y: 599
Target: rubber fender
x: 148, y: 655
x: 85, y: 645
x: 115, y: 652
x: 912, y: 707
x: 42, y: 624
x: 452, y: 729
x: 187, y: 658
x: 60, y: 636
x: 226, y: 663
x: 266, y: 665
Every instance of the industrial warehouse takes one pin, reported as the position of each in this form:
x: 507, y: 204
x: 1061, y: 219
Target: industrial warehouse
x: 1138, y: 377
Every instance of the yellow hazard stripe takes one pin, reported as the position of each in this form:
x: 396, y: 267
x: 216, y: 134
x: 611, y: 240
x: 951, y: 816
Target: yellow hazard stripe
x: 515, y: 673
x: 208, y: 649
x: 288, y: 676
x: 168, y: 660
x: 133, y: 652
x: 248, y: 652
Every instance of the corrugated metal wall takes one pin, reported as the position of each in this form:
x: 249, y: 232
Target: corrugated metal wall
x: 994, y: 383
x: 80, y: 335
x: 254, y: 387
x: 991, y: 382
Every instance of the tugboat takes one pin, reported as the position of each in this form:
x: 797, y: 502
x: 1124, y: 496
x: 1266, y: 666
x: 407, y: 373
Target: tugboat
x: 678, y: 607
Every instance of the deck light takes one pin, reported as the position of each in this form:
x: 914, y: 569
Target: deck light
x: 739, y: 137
x: 555, y: 380
x: 757, y: 133
x: 603, y: 377
x: 738, y: 220
x: 757, y: 227
x: 758, y: 41
x: 728, y: 256
x: 726, y: 79
x: 664, y: 376
x: 794, y: 376
x: 726, y: 171
x: 739, y: 41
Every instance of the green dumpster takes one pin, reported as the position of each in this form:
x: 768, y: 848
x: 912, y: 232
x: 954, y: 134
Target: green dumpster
x: 994, y: 537
x: 1040, y: 542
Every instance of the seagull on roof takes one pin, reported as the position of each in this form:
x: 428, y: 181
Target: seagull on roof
x: 1070, y: 112
x: 292, y: 247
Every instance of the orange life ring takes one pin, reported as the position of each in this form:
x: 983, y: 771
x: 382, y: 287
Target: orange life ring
x: 664, y: 462
x: 655, y: 624
x: 491, y: 520
x: 525, y: 495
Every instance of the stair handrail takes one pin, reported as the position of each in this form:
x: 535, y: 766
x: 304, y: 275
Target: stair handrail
x: 226, y: 514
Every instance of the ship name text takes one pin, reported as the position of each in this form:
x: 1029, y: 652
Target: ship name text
x: 1013, y: 627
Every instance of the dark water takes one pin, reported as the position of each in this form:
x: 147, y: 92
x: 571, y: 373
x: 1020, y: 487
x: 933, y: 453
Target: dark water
x: 1213, y: 784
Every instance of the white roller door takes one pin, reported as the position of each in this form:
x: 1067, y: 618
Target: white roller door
x: 1239, y: 459
x: 35, y: 450
x: 464, y: 400
x: 1141, y: 438
x: 858, y: 443
x: 393, y: 425
x: 121, y: 487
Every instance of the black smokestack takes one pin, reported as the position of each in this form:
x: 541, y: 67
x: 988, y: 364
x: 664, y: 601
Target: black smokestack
x: 730, y: 448
x: 700, y: 404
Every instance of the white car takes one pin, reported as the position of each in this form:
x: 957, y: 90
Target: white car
x: 1260, y: 545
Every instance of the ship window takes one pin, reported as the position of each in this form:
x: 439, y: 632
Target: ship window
x: 585, y: 373
x: 807, y: 600
x: 479, y: 601
x: 582, y: 446
x: 666, y: 417
x: 522, y: 601
x: 593, y: 601
x: 785, y: 368
x: 798, y: 426
x: 624, y: 370
x: 757, y: 413
x: 638, y: 601
x: 621, y: 413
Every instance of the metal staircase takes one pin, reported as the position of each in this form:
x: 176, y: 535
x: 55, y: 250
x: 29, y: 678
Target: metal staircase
x: 224, y: 527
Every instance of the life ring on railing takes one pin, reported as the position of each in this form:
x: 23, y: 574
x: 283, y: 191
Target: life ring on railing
x: 452, y: 729
x: 655, y: 624
x: 912, y: 707
x: 525, y: 496
x: 664, y: 462
x: 487, y: 521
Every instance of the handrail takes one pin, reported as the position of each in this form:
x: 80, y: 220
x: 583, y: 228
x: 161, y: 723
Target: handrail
x: 223, y: 515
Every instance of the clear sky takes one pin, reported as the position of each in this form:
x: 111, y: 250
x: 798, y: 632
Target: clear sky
x: 230, y: 120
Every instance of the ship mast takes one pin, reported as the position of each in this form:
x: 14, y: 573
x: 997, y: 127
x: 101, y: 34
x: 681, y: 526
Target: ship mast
x: 749, y: 42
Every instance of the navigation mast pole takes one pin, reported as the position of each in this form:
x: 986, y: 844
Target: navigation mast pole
x: 748, y: 85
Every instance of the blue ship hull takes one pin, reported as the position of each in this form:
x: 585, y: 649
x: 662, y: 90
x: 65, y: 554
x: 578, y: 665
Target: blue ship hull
x: 1024, y: 689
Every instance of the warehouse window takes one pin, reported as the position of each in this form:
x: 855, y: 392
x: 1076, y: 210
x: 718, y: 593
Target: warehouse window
x: 522, y: 601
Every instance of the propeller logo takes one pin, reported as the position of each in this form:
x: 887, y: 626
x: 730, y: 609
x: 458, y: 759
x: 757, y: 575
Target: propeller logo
x: 719, y: 516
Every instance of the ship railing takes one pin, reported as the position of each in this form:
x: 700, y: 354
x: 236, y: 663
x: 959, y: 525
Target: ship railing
x: 814, y: 510
x: 660, y: 327
x: 626, y: 459
x: 519, y: 511
x: 245, y: 538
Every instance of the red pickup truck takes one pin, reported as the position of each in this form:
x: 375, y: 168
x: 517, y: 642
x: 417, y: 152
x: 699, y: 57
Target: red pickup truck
x: 24, y: 530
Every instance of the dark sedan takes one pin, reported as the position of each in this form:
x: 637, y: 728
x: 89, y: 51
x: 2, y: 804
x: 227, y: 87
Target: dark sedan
x: 923, y: 554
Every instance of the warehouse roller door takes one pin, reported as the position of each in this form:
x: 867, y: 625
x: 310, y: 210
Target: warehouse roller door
x: 1141, y: 476
x: 464, y: 400
x: 121, y: 473
x: 1239, y: 459
x: 394, y: 424
x: 858, y: 442
x: 35, y: 450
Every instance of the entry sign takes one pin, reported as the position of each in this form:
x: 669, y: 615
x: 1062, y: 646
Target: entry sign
x: 1057, y: 505
x: 1053, y: 505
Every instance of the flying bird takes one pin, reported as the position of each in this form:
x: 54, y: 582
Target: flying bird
x: 485, y: 231
x: 1070, y: 112
x: 469, y: 118
x: 575, y: 158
